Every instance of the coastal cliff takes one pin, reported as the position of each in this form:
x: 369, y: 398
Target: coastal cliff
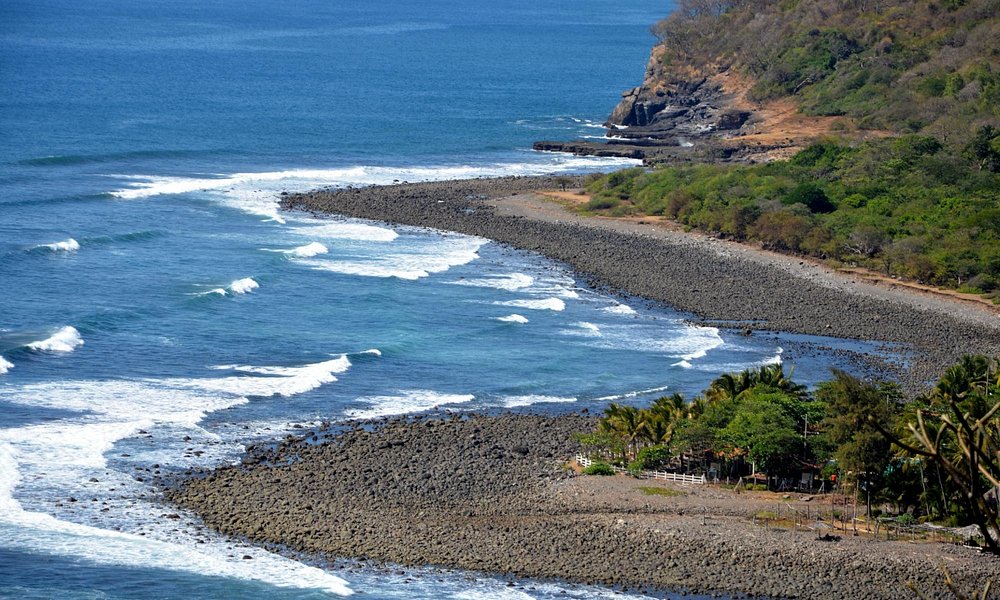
x: 738, y: 81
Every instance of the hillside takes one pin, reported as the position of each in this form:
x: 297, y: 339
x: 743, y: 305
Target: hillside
x: 859, y: 132
x: 750, y: 81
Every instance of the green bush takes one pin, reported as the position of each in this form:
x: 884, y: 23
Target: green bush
x: 812, y: 196
x: 599, y: 468
x: 935, y: 204
x: 601, y: 203
x: 653, y: 457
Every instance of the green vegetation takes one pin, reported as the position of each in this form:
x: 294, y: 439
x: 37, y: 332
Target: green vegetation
x: 659, y: 491
x: 908, y: 207
x: 930, y: 458
x: 599, y: 468
x: 929, y: 66
x: 923, y: 204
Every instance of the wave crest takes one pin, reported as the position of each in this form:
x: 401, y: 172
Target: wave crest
x: 514, y: 318
x: 408, y: 401
x: 65, y: 340
x: 67, y: 245
x: 242, y: 286
x: 554, y: 304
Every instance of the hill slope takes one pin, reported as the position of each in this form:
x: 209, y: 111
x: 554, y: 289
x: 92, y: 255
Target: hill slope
x: 779, y: 73
x: 878, y: 123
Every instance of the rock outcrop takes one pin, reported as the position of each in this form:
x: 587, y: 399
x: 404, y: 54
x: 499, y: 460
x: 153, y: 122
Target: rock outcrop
x: 682, y: 113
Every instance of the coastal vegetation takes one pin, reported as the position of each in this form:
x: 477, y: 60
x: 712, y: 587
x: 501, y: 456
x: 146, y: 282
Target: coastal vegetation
x: 909, y: 207
x: 930, y: 458
x: 903, y: 175
x: 929, y: 67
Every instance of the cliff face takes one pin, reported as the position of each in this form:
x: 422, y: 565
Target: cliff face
x: 675, y: 105
x: 682, y: 113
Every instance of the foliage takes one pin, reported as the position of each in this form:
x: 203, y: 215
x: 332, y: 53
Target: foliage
x: 935, y: 457
x: 910, y: 207
x: 855, y: 411
x: 898, y: 65
x: 653, y: 457
x: 959, y: 431
x: 754, y: 415
x: 650, y: 490
x: 599, y: 468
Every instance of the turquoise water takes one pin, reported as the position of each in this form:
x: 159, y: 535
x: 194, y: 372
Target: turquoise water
x: 158, y: 312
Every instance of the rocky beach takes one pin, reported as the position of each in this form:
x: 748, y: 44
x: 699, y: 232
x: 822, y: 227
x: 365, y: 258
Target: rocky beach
x: 494, y: 494
x: 724, y: 283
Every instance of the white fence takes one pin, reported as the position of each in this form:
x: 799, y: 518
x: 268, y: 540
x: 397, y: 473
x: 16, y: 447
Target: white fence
x: 699, y: 479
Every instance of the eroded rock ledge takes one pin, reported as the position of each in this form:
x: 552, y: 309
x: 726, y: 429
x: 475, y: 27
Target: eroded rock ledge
x: 680, y: 115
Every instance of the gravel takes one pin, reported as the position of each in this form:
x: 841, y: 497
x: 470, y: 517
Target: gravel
x: 491, y: 493
x: 714, y: 281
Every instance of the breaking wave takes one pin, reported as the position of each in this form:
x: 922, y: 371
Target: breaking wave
x: 555, y: 304
x: 68, y: 245
x: 65, y: 340
x: 407, y: 401
x: 514, y: 318
x: 242, y: 286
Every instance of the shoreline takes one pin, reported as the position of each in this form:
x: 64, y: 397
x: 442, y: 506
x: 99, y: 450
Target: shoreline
x: 491, y: 494
x: 718, y: 282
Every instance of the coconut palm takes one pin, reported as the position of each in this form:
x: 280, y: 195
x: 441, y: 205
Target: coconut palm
x: 627, y: 422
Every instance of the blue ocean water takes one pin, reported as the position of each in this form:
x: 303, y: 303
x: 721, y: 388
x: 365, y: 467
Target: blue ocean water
x: 158, y: 312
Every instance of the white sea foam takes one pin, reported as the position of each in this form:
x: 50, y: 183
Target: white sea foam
x: 589, y: 328
x: 528, y: 400
x: 495, y: 593
x: 69, y: 245
x: 776, y: 359
x: 5, y: 365
x: 277, y: 381
x: 685, y: 362
x: 406, y: 401
x: 560, y: 287
x: 619, y: 309
x: 310, y: 249
x: 259, y: 193
x: 347, y: 231
x: 511, y: 282
x: 677, y: 339
x: 555, y: 304
x: 44, y: 534
x: 58, y: 455
x: 66, y: 339
x: 514, y: 318
x: 214, y: 292
x: 430, y: 256
x: 243, y: 286
x: 632, y: 394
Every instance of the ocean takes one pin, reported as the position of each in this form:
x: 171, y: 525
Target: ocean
x: 158, y: 312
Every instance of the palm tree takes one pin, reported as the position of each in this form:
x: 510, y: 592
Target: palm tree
x: 730, y: 386
x: 664, y: 415
x: 626, y: 421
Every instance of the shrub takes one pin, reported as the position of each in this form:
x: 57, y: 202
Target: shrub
x: 599, y: 203
x: 599, y: 468
x: 812, y: 196
x: 652, y: 457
